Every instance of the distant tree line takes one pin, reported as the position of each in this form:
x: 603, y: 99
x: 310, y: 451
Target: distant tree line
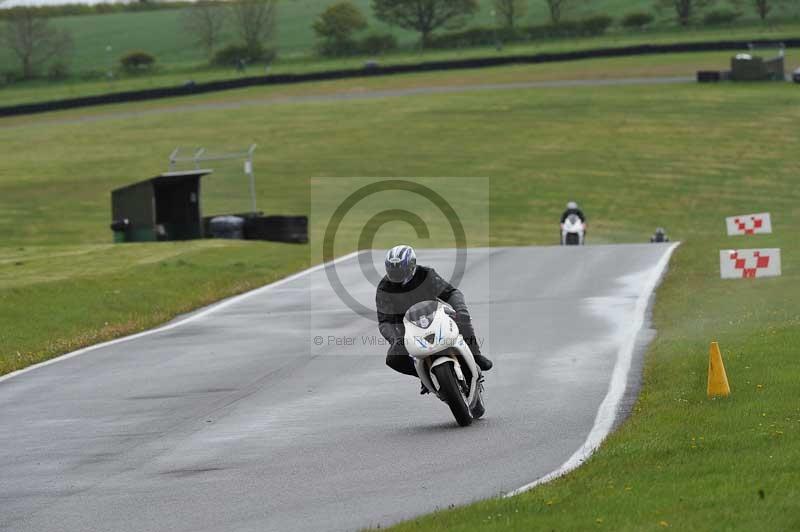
x: 441, y: 23
x: 686, y: 11
x: 41, y: 48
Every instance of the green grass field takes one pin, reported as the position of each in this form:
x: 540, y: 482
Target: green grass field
x: 160, y: 33
x: 636, y: 157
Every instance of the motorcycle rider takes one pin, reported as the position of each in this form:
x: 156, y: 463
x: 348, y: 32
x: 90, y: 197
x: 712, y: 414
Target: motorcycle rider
x: 572, y: 208
x: 406, y: 284
x: 659, y: 236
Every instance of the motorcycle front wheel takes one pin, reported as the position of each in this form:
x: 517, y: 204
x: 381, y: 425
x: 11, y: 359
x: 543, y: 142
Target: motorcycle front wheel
x: 450, y: 391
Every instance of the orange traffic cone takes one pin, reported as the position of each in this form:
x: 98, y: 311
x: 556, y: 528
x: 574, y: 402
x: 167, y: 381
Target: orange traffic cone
x: 717, y: 379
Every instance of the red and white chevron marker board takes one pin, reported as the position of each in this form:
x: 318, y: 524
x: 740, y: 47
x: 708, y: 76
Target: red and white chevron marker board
x: 749, y: 224
x: 749, y: 263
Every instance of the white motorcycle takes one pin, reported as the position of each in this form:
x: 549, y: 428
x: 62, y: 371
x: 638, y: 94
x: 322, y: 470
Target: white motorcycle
x: 443, y: 361
x: 573, y: 231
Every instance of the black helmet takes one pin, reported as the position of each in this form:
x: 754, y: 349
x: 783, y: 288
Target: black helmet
x: 401, y: 264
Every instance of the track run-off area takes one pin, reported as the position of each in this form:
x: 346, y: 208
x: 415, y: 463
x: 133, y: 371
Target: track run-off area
x: 88, y: 116
x: 274, y: 410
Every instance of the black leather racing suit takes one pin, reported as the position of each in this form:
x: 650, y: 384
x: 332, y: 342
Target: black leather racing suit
x: 578, y: 212
x: 394, y: 299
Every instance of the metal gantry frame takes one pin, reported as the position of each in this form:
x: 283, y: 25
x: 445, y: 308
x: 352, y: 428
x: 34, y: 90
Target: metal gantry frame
x: 201, y: 155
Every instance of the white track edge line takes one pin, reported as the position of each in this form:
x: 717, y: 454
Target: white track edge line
x: 607, y: 412
x: 202, y: 313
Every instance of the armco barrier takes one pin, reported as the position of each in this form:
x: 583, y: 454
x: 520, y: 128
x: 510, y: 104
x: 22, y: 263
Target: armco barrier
x: 374, y: 70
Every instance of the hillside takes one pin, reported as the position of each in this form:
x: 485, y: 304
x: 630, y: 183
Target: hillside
x: 161, y: 33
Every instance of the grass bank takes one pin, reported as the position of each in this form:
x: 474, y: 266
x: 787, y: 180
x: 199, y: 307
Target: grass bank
x: 56, y: 299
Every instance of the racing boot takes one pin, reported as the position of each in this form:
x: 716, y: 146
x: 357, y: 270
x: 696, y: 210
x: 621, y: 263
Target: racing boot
x: 465, y: 326
x: 484, y: 363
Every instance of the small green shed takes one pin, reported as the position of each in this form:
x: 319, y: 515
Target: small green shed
x: 751, y: 67
x: 165, y: 207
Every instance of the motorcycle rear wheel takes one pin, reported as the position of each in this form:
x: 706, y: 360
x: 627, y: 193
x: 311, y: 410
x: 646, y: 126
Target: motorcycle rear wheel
x: 451, y: 392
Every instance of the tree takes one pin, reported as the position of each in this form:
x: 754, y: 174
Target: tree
x: 34, y: 41
x: 685, y: 9
x: 510, y: 10
x: 558, y: 8
x: 336, y: 25
x: 424, y: 16
x: 255, y: 21
x: 204, y: 21
x: 763, y: 7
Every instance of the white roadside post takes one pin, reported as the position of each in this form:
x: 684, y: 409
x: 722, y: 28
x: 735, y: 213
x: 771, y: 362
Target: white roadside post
x: 749, y: 263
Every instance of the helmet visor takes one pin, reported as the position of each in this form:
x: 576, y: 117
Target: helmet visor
x: 398, y: 272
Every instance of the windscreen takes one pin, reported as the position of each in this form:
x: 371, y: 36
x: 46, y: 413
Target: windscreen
x: 422, y: 313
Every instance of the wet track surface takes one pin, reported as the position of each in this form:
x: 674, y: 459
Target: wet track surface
x: 238, y: 421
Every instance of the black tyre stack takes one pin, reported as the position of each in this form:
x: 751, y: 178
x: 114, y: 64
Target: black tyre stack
x: 709, y: 76
x: 291, y: 229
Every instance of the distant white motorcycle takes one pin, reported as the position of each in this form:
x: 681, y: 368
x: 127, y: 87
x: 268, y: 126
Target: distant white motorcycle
x: 444, y: 362
x: 573, y: 231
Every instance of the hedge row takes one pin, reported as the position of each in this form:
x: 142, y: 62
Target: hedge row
x: 373, y: 44
x: 486, y: 36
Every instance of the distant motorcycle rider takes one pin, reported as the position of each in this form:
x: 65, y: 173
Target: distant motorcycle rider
x: 572, y: 208
x: 406, y: 284
x: 659, y: 236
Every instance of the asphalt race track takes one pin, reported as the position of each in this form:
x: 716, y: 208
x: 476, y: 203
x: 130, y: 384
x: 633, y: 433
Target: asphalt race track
x: 235, y: 420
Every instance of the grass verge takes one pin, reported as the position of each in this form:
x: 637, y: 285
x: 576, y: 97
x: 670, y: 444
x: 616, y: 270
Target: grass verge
x: 56, y: 299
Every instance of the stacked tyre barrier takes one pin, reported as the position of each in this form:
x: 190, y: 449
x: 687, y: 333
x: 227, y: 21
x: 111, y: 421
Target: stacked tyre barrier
x: 188, y: 89
x: 230, y: 227
x: 290, y: 229
x: 709, y: 76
